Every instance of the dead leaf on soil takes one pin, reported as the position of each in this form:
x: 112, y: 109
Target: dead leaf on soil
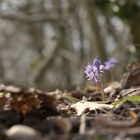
x: 24, y: 103
x: 112, y: 89
x: 131, y: 91
x: 81, y: 106
x: 24, y: 100
x: 132, y: 77
x: 116, y: 124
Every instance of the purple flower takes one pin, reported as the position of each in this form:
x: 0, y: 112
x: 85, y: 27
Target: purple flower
x: 97, y: 62
x: 93, y: 71
x: 110, y: 63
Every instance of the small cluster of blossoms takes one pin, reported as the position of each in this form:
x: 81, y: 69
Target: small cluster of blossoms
x: 95, y: 69
x: 110, y: 63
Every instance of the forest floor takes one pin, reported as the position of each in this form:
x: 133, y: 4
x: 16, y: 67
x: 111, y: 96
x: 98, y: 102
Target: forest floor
x: 32, y: 114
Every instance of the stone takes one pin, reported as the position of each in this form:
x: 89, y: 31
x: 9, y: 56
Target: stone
x: 22, y: 132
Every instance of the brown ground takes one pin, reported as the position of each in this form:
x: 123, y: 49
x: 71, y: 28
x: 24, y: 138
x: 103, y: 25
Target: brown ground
x: 76, y: 115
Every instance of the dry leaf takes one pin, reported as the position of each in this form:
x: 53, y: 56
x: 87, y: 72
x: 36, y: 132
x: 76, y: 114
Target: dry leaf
x: 81, y: 106
x: 131, y: 91
x: 112, y: 87
x: 117, y: 124
x: 24, y: 103
x: 24, y: 100
x: 132, y: 77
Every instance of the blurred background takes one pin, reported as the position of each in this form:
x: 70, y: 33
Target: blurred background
x: 48, y: 43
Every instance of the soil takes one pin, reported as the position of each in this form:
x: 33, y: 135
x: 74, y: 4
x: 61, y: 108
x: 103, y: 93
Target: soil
x: 29, y: 113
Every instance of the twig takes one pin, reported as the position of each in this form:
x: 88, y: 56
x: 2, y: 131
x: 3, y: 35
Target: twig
x: 28, y: 18
x: 82, y: 127
x: 129, y: 92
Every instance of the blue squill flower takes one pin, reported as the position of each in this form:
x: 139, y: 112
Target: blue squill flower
x: 97, y: 62
x: 93, y: 71
x: 110, y: 63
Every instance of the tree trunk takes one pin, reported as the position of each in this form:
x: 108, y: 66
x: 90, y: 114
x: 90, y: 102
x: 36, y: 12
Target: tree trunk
x: 135, y: 30
x: 97, y: 40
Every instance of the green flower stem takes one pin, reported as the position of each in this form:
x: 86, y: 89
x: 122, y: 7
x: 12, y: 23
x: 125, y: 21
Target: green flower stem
x: 101, y: 90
